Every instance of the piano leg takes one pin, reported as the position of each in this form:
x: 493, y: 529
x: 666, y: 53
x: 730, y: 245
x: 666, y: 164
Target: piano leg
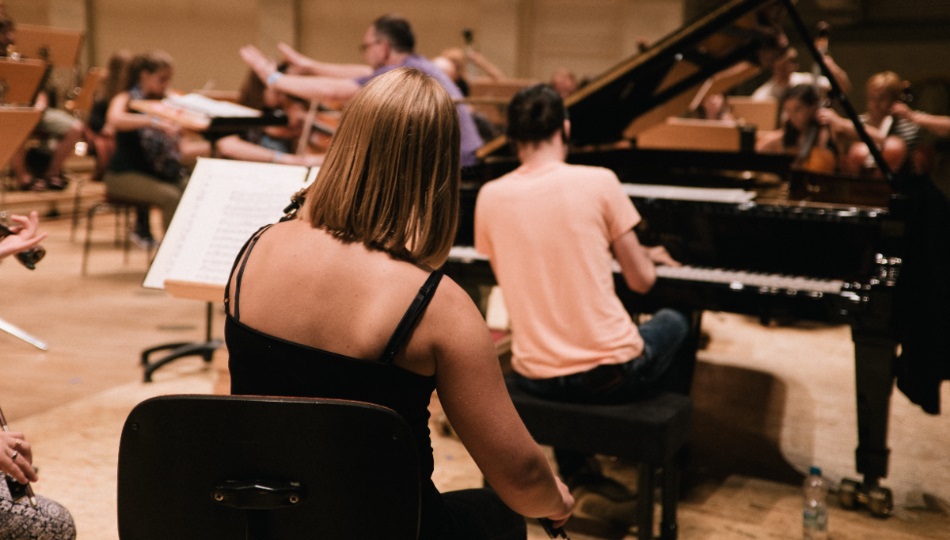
x: 874, y: 378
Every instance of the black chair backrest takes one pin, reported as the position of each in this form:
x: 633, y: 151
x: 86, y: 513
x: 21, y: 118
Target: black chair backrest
x: 223, y: 467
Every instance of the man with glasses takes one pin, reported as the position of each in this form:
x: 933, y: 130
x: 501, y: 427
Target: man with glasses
x: 387, y: 44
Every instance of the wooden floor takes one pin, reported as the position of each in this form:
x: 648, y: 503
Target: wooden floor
x: 769, y: 403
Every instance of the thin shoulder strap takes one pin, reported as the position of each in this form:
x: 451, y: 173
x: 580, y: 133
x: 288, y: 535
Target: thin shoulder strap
x: 411, y: 317
x: 241, y: 258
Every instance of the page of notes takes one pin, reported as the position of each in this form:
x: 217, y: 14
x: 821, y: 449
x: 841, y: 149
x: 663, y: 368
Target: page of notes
x: 224, y: 203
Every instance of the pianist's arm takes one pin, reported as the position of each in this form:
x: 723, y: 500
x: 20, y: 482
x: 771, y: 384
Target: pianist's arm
x: 638, y: 268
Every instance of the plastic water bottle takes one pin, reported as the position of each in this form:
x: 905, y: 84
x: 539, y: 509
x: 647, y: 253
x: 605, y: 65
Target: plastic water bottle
x: 814, y: 508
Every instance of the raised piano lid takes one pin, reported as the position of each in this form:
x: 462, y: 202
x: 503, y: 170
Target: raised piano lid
x: 649, y: 87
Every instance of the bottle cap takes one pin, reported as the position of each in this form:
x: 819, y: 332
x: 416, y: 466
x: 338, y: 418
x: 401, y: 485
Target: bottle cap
x: 815, y: 470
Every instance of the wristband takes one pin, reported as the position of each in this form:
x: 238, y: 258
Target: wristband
x: 272, y: 78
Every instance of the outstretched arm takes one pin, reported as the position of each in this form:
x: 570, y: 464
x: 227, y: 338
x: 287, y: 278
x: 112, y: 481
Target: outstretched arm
x: 939, y: 125
x: 313, y: 87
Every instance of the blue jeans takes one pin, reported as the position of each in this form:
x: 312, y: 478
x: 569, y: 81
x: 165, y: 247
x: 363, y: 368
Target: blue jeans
x: 657, y: 368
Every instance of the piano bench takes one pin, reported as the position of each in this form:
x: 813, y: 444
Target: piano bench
x: 652, y: 432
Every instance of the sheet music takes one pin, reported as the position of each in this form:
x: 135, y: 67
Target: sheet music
x: 224, y: 203
x: 651, y: 191
x: 211, y: 107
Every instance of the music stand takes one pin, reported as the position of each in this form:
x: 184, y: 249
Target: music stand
x: 18, y: 123
x: 58, y: 46
x: 20, y: 81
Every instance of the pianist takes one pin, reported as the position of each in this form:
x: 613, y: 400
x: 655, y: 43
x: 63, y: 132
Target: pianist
x: 552, y: 231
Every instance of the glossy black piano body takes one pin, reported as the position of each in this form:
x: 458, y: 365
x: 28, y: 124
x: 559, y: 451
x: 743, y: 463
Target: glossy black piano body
x: 850, y: 233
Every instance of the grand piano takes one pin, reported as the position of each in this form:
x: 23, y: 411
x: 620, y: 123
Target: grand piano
x: 755, y: 236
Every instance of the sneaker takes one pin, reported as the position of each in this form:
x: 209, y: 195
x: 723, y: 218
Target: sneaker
x: 144, y: 242
x: 605, y: 500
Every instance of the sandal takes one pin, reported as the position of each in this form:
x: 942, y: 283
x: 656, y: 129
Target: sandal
x: 56, y: 183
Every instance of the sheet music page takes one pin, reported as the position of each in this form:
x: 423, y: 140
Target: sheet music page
x: 224, y: 203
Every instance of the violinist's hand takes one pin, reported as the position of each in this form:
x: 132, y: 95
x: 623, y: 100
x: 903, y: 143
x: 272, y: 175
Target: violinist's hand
x: 262, y: 66
x: 659, y: 255
x: 301, y: 64
x: 26, y: 234
x: 901, y: 110
x: 567, y: 501
x: 12, y: 445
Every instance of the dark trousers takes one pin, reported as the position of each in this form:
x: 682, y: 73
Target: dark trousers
x: 657, y: 368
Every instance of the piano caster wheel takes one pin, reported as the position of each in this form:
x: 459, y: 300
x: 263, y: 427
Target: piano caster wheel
x: 878, y: 500
x: 848, y: 494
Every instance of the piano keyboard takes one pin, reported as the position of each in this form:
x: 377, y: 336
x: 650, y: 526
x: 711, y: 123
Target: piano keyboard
x: 734, y: 279
x: 680, y: 193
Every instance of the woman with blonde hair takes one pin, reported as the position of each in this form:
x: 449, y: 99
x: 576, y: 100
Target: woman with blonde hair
x: 896, y: 137
x: 317, y: 306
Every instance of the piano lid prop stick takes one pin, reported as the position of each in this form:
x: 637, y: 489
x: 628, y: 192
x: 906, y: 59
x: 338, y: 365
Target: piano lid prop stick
x: 17, y: 489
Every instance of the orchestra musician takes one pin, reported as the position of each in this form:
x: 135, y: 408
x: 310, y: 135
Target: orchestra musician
x: 896, y: 136
x: 388, y: 43
x: 547, y: 224
x: 313, y: 302
x: 276, y: 144
x: 803, y: 133
x: 148, y: 165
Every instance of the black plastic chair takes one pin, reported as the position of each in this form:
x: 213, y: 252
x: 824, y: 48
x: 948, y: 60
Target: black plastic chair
x: 249, y: 467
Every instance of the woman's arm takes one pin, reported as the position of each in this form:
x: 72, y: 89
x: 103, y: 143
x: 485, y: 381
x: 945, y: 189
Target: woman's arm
x: 476, y: 402
x: 119, y: 118
x: 234, y: 147
x: 939, y: 125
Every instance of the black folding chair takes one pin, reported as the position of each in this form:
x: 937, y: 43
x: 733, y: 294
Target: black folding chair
x: 251, y: 467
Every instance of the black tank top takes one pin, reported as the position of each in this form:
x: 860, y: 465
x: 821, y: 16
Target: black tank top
x: 261, y: 364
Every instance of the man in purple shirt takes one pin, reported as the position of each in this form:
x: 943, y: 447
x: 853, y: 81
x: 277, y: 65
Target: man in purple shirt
x: 388, y: 43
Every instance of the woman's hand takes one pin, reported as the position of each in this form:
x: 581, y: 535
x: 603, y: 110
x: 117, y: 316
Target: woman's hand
x: 262, y: 66
x: 559, y: 519
x: 26, y: 234
x: 16, y: 457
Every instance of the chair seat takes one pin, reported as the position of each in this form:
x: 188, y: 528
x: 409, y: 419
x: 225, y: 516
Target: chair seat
x: 651, y: 430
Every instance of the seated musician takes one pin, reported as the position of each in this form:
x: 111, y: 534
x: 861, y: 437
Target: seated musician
x: 148, y: 165
x: 895, y: 136
x: 803, y: 134
x: 273, y: 144
x: 785, y: 75
x: 56, y: 123
x: 388, y: 43
x: 552, y: 231
x: 317, y: 306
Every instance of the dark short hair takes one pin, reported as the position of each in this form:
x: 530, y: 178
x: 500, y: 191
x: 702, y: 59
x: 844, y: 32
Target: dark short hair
x: 397, y: 31
x: 535, y: 113
x: 806, y: 93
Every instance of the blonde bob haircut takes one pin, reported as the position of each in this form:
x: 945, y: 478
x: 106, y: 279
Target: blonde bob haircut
x: 889, y: 82
x: 390, y: 179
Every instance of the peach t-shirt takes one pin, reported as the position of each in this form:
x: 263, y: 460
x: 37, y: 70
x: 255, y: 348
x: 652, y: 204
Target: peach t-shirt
x: 547, y: 233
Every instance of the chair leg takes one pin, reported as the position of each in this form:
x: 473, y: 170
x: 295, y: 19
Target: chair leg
x: 88, y: 243
x: 645, y: 489
x: 76, y: 200
x: 669, y: 529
